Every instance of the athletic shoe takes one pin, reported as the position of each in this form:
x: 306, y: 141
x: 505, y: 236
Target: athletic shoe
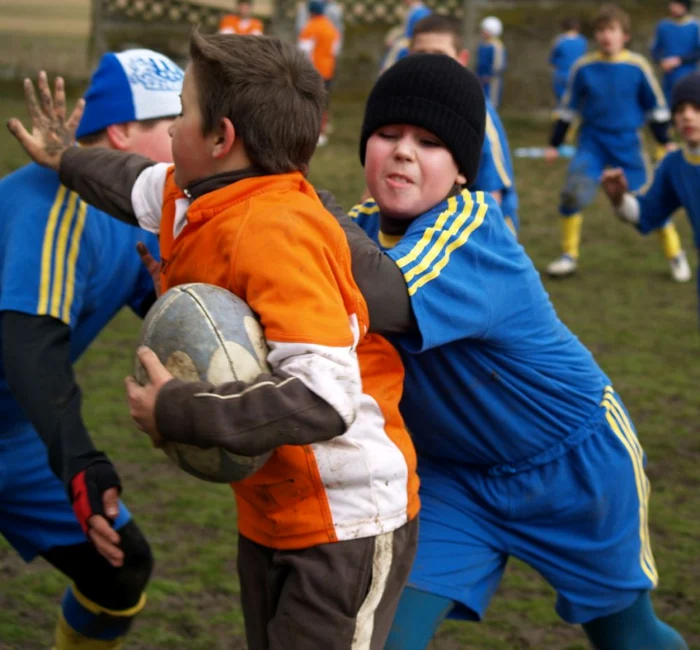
x: 680, y: 269
x: 563, y: 266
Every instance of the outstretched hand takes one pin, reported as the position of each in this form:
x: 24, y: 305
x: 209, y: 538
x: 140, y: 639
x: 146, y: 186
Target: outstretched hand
x: 51, y: 132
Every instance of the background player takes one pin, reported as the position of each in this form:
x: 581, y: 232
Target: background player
x: 67, y: 270
x: 241, y: 22
x: 491, y: 59
x: 614, y: 92
x: 677, y: 177
x: 569, y: 46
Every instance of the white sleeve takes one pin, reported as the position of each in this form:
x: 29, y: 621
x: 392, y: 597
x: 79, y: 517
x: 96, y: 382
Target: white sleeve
x: 628, y: 210
x: 147, y: 196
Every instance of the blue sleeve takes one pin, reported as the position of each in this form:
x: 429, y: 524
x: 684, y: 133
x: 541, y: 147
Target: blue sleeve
x: 555, y: 53
x: 571, y: 101
x: 651, y: 96
x: 484, y: 59
x: 493, y: 169
x: 44, y: 267
x: 443, y: 257
x: 661, y: 200
x: 144, y: 285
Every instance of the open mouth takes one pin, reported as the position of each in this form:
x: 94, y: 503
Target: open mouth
x: 399, y: 180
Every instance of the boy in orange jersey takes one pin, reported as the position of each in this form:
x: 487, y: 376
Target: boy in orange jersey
x: 320, y: 40
x: 328, y: 526
x: 241, y: 22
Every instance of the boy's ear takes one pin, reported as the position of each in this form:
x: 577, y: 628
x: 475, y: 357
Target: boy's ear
x: 463, y: 57
x: 119, y: 136
x: 461, y: 180
x: 225, y: 136
x: 627, y: 38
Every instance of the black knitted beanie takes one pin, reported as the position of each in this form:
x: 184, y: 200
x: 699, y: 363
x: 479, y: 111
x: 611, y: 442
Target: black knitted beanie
x: 435, y: 93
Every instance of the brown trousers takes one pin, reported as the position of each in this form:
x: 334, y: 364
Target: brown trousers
x: 340, y: 596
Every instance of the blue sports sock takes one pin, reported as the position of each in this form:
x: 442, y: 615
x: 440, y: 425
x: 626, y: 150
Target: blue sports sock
x: 417, y: 619
x: 635, y: 628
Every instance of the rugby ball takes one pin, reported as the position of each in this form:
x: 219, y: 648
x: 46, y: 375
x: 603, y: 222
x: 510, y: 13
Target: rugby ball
x: 203, y: 332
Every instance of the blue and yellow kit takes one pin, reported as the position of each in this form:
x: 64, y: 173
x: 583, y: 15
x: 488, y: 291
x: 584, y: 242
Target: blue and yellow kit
x: 524, y: 448
x: 677, y: 37
x: 566, y: 50
x: 491, y: 60
x: 496, y: 167
x: 64, y: 259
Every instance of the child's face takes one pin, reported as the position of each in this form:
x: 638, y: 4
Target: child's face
x: 435, y: 43
x: 408, y: 170
x: 677, y: 9
x: 686, y: 117
x: 191, y: 149
x: 611, y: 38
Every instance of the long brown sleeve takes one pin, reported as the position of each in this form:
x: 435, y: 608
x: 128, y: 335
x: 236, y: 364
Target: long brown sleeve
x: 377, y: 276
x: 104, y: 178
x: 246, y: 419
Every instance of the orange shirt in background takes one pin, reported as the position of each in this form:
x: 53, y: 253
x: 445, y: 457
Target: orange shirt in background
x: 321, y: 40
x: 232, y: 24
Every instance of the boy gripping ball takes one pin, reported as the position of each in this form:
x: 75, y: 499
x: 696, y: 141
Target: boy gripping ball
x: 614, y: 92
x: 676, y: 179
x: 524, y: 447
x: 328, y: 526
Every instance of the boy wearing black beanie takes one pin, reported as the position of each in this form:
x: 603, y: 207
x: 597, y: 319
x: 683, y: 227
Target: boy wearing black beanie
x: 677, y: 177
x: 524, y: 448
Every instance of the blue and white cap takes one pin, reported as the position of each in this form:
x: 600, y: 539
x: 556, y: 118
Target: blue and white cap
x: 131, y: 86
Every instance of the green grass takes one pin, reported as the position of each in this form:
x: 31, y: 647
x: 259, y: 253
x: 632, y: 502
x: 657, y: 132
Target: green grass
x: 641, y: 327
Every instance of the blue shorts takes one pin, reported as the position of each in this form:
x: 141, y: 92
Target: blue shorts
x: 35, y: 513
x: 595, y: 151
x: 579, y: 519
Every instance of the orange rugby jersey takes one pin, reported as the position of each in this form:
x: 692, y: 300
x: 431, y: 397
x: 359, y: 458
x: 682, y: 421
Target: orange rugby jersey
x: 270, y: 241
x: 321, y: 40
x: 232, y: 24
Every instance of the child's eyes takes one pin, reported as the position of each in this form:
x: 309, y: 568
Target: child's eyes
x: 430, y: 143
x: 388, y: 135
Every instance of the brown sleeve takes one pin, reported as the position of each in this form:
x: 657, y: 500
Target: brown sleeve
x: 104, y: 178
x: 246, y: 419
x: 377, y: 276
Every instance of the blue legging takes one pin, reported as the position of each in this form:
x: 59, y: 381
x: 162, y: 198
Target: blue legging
x: 420, y: 614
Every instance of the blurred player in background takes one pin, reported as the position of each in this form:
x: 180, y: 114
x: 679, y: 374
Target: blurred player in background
x: 66, y: 270
x: 676, y: 44
x: 440, y: 34
x: 569, y: 46
x: 399, y: 40
x: 676, y: 179
x: 241, y: 22
x: 491, y: 59
x: 320, y: 41
x: 614, y: 92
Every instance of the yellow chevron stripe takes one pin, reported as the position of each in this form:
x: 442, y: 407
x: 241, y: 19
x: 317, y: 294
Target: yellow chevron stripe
x: 72, y: 261
x: 646, y: 559
x: 497, y: 150
x: 442, y: 240
x: 94, y: 608
x: 59, y: 258
x: 460, y: 241
x: 428, y: 234
x: 363, y: 208
x: 46, y: 249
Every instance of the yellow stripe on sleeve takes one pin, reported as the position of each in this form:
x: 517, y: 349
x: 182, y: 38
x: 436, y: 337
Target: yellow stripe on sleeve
x: 457, y: 243
x: 652, y: 80
x: 46, y: 249
x: 624, y: 432
x: 425, y: 240
x: 368, y: 208
x: 497, y: 151
x: 72, y: 262
x: 59, y: 257
x: 444, y: 237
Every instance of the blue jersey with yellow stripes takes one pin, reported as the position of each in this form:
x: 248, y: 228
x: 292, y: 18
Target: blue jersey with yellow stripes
x: 491, y: 59
x: 566, y: 50
x: 492, y: 376
x: 496, y: 166
x: 675, y: 185
x: 61, y: 257
x: 677, y: 37
x: 613, y: 94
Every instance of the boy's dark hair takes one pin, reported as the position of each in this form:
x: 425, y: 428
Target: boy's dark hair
x: 268, y: 89
x: 440, y: 24
x: 610, y: 14
x: 570, y: 23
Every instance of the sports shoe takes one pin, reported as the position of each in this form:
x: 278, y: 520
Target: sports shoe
x: 563, y: 266
x: 680, y: 269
